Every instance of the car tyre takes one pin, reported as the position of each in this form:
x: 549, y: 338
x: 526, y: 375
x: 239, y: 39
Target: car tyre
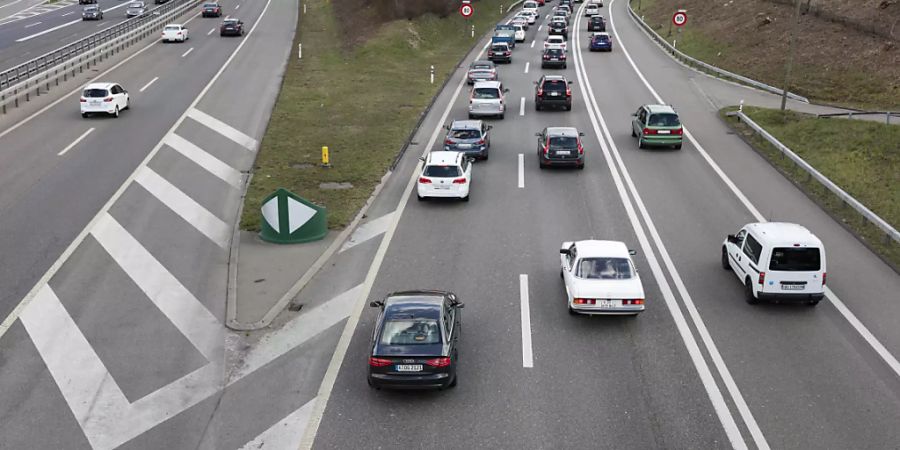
x: 420, y: 198
x: 677, y: 146
x: 466, y: 198
x: 748, y: 292
x: 85, y: 115
x: 502, y: 115
x: 564, y: 66
x: 633, y: 134
x: 725, y: 265
x: 471, y: 117
x: 537, y: 106
x: 372, y: 385
x: 116, y: 112
x: 128, y: 103
x: 640, y: 142
x: 812, y: 303
x: 453, y: 383
x: 581, y: 166
x: 568, y: 107
x: 572, y: 311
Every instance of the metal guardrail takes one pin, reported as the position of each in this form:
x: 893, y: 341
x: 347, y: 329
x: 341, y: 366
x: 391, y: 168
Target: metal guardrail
x: 889, y: 231
x: 887, y: 114
x: 31, y: 77
x: 693, y: 62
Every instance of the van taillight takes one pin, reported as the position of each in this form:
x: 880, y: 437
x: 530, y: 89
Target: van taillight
x: 762, y: 277
x: 823, y: 278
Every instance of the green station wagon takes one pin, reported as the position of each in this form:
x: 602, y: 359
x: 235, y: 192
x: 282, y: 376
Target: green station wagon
x: 657, y: 125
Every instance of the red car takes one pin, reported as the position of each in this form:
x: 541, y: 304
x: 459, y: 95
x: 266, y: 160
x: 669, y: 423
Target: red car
x: 211, y: 10
x: 540, y: 2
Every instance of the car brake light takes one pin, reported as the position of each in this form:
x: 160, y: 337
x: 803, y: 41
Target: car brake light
x: 481, y: 142
x: 580, y: 148
x: 584, y: 301
x: 678, y: 131
x: 568, y: 92
x: 540, y: 91
x: 379, y: 362
x: 459, y: 181
x: 546, y: 56
x: 762, y: 277
x: 823, y: 278
x: 108, y: 99
x: 424, y: 180
x: 448, y: 142
x: 563, y: 56
x: 438, y: 362
x: 83, y: 100
x: 648, y: 131
x: 633, y: 301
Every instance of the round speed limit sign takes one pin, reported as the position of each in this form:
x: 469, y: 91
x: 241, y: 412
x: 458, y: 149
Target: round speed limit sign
x: 680, y: 18
x: 466, y: 10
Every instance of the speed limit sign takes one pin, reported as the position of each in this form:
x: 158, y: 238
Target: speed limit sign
x: 679, y: 18
x: 466, y: 10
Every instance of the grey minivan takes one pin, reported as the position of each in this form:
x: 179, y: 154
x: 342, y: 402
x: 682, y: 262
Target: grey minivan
x: 471, y: 137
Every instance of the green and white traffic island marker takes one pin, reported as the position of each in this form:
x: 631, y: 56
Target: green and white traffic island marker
x: 288, y: 218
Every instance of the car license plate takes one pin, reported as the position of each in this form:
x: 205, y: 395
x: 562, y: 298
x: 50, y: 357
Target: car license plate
x: 554, y: 59
x: 464, y: 145
x: 554, y: 94
x: 564, y: 152
x: 607, y: 303
x: 441, y: 187
x: 792, y: 287
x: 409, y: 367
x: 663, y: 132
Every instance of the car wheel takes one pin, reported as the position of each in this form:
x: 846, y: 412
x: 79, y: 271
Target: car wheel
x: 561, y: 273
x: 485, y: 157
x: 677, y: 146
x: 633, y: 134
x: 725, y: 264
x: 541, y: 165
x: 581, y: 167
x: 748, y: 292
x: 537, y: 106
x: 471, y: 117
x: 568, y: 107
x: 466, y: 198
x: 455, y: 380
x: 564, y: 66
x: 640, y: 142
x: 85, y: 115
x: 572, y: 311
x: 420, y: 198
x: 372, y: 385
x: 501, y: 116
x: 116, y: 112
x: 128, y: 103
x: 812, y: 303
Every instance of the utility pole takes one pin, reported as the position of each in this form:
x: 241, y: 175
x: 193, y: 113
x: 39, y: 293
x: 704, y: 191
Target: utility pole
x: 791, y: 51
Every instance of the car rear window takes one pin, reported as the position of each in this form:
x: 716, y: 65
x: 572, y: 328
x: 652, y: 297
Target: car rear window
x: 554, y: 85
x: 554, y: 51
x: 795, y: 259
x: 465, y: 134
x: 605, y: 268
x: 557, y: 24
x: 601, y: 38
x: 486, y: 93
x: 482, y: 67
x: 209, y: 5
x: 135, y: 5
x: 95, y: 93
x: 172, y: 27
x: 410, y: 332
x: 563, y: 143
x: 664, y: 120
x: 442, y: 171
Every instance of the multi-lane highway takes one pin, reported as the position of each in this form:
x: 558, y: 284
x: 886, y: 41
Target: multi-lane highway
x: 700, y: 368
x: 115, y: 242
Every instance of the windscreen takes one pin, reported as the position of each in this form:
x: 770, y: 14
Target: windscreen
x: 410, y: 332
x: 95, y: 93
x: 795, y: 259
x: 605, y: 268
x: 482, y: 67
x: 664, y: 120
x: 442, y: 171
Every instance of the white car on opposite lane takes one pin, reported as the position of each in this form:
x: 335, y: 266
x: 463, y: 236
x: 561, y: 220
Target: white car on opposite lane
x: 107, y: 98
x: 174, y: 33
x: 600, y: 278
x: 445, y: 175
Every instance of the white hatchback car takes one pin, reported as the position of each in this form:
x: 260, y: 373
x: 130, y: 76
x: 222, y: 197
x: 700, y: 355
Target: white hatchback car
x: 107, y: 98
x: 487, y: 99
x: 591, y: 9
x: 600, y: 278
x: 174, y: 32
x: 520, y: 33
x: 445, y: 175
x: 556, y: 41
x: 531, y: 16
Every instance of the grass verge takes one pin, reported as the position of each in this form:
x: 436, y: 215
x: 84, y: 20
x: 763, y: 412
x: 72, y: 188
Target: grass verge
x: 862, y: 157
x: 360, y: 101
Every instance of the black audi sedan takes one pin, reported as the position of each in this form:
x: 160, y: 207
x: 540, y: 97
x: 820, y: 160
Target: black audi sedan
x: 416, y: 340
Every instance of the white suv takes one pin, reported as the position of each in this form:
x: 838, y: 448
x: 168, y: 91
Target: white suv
x: 487, y: 99
x: 108, y: 98
x: 445, y: 175
x: 777, y: 261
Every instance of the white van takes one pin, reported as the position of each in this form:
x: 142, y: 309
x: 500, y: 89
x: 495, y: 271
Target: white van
x: 530, y: 6
x: 777, y: 261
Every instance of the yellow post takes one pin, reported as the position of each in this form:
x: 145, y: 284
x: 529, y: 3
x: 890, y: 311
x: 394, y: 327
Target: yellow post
x: 325, y: 156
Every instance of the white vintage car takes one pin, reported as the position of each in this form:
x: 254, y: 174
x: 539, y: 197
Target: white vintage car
x: 600, y: 278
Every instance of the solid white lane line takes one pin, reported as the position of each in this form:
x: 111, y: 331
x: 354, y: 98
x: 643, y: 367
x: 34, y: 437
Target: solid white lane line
x: 148, y: 84
x: 187, y: 208
x: 851, y: 318
x: 187, y: 52
x: 286, y: 432
x: 522, y: 107
x: 532, y: 43
x: 205, y: 160
x: 527, y: 65
x: 174, y: 300
x: 48, y: 30
x: 75, y: 142
x: 521, y: 171
x: 223, y: 128
x: 32, y: 25
x: 337, y: 358
x: 368, y: 230
x: 527, y: 355
x: 211, y: 32
x: 608, y: 146
x: 298, y: 330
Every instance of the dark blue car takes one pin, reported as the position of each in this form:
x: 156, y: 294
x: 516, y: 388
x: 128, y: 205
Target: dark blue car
x: 470, y: 137
x: 601, y: 42
x: 415, y: 344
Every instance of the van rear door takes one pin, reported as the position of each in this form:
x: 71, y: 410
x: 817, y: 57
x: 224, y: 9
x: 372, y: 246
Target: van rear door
x: 795, y: 270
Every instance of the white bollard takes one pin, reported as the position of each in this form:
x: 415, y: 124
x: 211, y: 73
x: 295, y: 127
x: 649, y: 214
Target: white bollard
x: 299, y: 51
x: 432, y: 74
x: 673, y: 42
x: 741, y: 106
x: 473, y: 30
x: 304, y: 8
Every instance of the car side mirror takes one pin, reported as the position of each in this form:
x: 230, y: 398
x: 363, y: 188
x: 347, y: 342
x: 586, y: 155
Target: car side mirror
x: 732, y: 238
x: 634, y: 114
x: 490, y: 127
x: 505, y: 89
x: 422, y: 158
x: 632, y: 252
x: 447, y: 127
x: 537, y: 134
x: 572, y: 82
x: 535, y: 83
x: 581, y: 133
x: 376, y: 304
x: 563, y: 251
x: 470, y: 159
